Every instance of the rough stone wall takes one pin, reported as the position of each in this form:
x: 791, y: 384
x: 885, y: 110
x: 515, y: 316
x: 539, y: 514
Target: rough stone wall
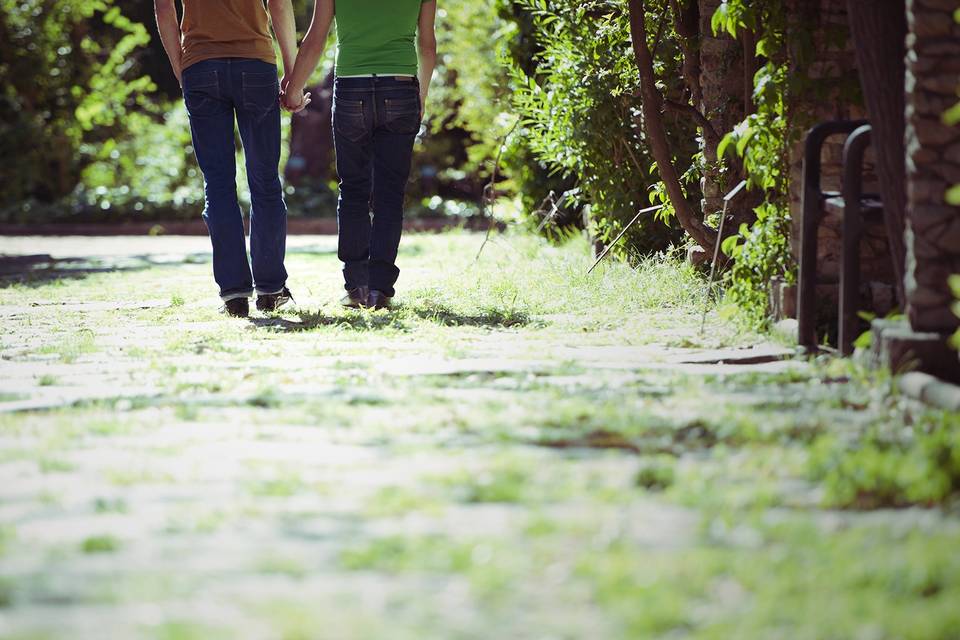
x: 835, y: 66
x: 933, y: 163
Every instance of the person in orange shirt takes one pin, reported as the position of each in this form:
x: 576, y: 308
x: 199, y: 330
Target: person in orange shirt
x: 222, y: 54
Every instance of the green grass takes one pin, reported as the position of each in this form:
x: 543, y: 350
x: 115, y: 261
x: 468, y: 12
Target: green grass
x: 395, y: 554
x: 6, y: 593
x: 54, y: 465
x: 74, y: 345
x: 110, y: 505
x: 282, y: 566
x: 100, y: 544
x: 187, y: 630
x: 303, y: 456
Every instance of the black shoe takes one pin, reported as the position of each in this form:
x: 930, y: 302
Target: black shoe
x: 238, y: 307
x: 378, y: 300
x: 273, y: 301
x: 355, y: 298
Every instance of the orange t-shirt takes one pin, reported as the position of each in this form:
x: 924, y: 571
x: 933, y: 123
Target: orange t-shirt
x: 225, y: 29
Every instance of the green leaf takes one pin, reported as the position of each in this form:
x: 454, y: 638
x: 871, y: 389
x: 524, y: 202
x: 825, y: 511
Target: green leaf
x: 955, y: 285
x: 730, y: 246
x: 953, y: 195
x: 744, y: 140
x: 952, y: 115
x: 864, y: 341
x: 719, y: 18
x: 727, y: 140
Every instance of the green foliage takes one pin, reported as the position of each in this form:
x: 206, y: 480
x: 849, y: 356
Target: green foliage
x: 891, y: 466
x: 70, y: 83
x: 953, y: 195
x: 580, y: 115
x: 100, y: 544
x: 473, y: 91
x: 761, y: 141
x: 955, y: 287
x: 149, y: 171
x: 657, y: 474
x: 761, y: 252
x: 85, y: 136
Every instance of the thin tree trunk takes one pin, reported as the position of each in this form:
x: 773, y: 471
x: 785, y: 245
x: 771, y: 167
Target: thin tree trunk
x: 749, y: 70
x: 652, y: 105
x: 879, y: 30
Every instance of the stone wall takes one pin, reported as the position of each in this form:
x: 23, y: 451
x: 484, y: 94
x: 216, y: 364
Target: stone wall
x: 833, y: 70
x: 832, y: 67
x: 933, y: 163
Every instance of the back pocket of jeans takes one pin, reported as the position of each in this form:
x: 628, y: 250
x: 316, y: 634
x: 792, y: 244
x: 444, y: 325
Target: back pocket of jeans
x: 260, y: 92
x: 201, y: 93
x: 402, y: 116
x: 349, y: 119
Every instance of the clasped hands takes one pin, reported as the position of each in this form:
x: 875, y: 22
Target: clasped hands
x: 293, y: 99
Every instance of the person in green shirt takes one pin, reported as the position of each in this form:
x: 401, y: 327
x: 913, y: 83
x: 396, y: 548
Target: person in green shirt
x: 386, y: 54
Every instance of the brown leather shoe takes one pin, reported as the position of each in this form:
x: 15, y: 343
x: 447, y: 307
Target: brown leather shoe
x: 237, y: 308
x: 355, y: 298
x: 272, y: 302
x: 378, y: 300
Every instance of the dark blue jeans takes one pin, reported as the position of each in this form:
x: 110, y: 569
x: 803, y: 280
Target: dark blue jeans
x: 217, y: 92
x: 375, y: 123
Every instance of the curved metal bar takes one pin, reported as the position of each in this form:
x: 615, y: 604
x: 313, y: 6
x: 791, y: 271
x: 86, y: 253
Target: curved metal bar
x: 853, y: 152
x: 811, y: 214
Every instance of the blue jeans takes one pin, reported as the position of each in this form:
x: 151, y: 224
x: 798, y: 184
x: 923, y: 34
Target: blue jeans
x: 216, y: 92
x: 375, y: 123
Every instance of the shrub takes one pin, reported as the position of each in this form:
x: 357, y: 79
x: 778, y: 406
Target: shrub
x: 69, y: 86
x: 575, y: 90
x: 891, y: 467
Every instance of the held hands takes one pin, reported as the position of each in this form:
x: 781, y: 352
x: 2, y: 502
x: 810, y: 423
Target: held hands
x: 293, y: 99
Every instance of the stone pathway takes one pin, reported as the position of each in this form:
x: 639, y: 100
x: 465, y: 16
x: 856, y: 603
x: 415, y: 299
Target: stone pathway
x: 507, y: 454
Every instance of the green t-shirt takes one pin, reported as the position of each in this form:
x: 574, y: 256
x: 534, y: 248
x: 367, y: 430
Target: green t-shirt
x: 377, y: 37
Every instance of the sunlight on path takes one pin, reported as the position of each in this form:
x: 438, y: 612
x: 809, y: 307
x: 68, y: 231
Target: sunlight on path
x: 516, y: 450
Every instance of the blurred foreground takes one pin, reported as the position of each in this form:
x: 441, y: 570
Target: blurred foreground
x: 516, y: 451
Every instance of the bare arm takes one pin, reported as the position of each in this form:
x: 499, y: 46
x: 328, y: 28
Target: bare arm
x: 285, y: 28
x: 311, y: 49
x: 169, y: 28
x: 427, y: 49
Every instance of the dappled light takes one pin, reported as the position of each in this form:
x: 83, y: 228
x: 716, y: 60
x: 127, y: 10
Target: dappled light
x: 520, y: 319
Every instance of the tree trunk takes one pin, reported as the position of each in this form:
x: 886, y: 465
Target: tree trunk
x: 652, y: 104
x: 879, y: 30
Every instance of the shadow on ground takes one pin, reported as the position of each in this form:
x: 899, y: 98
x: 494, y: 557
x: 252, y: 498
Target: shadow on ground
x: 41, y: 269
x: 394, y: 318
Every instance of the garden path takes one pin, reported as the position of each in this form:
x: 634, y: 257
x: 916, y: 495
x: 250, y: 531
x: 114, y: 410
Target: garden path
x: 517, y: 450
